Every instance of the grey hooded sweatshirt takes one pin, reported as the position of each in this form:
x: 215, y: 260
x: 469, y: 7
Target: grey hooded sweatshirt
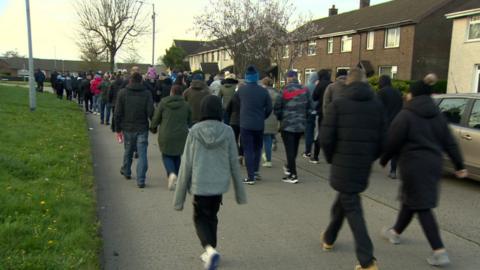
x: 209, y: 162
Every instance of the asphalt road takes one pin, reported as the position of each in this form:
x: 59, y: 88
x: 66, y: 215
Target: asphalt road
x: 280, y: 226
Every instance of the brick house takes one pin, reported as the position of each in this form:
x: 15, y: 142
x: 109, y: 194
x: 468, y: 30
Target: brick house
x: 402, y: 38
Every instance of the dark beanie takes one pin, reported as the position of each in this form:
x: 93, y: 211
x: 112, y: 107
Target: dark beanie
x: 420, y: 88
x: 251, y: 75
x: 211, y: 108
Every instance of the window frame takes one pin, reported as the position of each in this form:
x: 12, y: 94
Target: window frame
x: 370, y: 43
x: 314, y: 43
x: 310, y: 71
x: 343, y: 67
x: 391, y: 71
x: 470, y: 23
x: 330, y: 43
x: 398, y: 37
x: 342, y: 43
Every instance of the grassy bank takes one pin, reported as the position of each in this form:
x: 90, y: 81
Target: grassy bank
x: 47, y: 201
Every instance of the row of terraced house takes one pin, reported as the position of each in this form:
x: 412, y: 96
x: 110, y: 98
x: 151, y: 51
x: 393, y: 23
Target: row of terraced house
x: 401, y: 38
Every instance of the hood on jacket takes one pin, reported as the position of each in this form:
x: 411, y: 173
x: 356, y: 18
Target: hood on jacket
x: 174, y: 102
x: 136, y: 87
x: 311, y: 82
x: 198, y: 85
x: 359, y: 91
x: 210, y: 133
x: 423, y: 106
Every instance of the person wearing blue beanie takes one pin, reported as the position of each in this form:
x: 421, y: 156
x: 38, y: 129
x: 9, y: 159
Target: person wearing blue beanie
x: 255, y: 106
x: 251, y: 75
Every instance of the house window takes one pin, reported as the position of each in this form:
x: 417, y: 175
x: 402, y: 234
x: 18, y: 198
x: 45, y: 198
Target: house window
x: 343, y: 68
x: 213, y: 57
x: 370, y: 40
x: 346, y: 44
x: 388, y: 70
x: 392, y: 37
x: 330, y: 45
x: 285, y: 51
x: 308, y: 73
x: 300, y: 50
x: 312, y: 48
x: 474, y: 28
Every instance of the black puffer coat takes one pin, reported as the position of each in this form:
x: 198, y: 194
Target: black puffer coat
x: 419, y: 135
x: 351, y: 136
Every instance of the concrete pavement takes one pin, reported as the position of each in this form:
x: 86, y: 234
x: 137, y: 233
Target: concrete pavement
x: 280, y: 226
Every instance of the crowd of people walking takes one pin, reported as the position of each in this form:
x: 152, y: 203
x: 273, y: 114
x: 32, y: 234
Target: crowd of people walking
x: 207, y: 131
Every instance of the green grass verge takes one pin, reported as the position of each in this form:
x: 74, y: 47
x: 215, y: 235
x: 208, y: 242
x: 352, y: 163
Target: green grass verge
x: 24, y: 83
x: 47, y: 202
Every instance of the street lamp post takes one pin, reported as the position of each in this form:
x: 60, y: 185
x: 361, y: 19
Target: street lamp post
x: 31, y: 79
x: 153, y: 36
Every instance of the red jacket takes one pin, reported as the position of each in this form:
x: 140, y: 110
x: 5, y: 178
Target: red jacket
x: 94, y: 86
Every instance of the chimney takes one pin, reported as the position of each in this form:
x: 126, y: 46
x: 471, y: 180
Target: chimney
x: 332, y: 11
x: 364, y: 3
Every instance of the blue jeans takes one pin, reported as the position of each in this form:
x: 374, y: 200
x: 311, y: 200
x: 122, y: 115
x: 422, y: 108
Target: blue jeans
x: 96, y: 103
x: 105, y: 109
x: 136, y: 141
x: 267, y: 143
x: 171, y: 164
x: 310, y: 132
x: 252, y: 143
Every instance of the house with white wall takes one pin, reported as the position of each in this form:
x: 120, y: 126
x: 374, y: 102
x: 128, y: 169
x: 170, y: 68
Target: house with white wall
x: 464, y: 69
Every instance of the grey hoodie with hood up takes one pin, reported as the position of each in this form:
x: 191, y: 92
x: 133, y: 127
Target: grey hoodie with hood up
x: 209, y: 162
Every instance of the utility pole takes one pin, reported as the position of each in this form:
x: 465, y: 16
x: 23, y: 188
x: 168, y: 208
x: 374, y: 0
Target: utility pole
x: 153, y: 36
x: 31, y: 80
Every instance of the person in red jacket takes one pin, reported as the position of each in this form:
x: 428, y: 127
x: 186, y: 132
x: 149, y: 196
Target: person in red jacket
x: 95, y: 90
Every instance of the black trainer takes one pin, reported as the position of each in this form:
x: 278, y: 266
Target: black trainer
x: 248, y: 181
x: 291, y: 179
x: 128, y: 177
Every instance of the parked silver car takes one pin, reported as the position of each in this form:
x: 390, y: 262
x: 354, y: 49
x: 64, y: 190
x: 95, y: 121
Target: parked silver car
x: 463, y: 113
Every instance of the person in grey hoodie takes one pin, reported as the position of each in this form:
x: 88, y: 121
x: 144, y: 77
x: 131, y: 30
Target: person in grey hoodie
x: 336, y: 89
x: 209, y: 162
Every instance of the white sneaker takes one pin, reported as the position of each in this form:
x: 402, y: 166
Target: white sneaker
x: 213, y: 258
x: 204, y: 257
x: 285, y: 170
x: 172, y: 181
x: 267, y: 164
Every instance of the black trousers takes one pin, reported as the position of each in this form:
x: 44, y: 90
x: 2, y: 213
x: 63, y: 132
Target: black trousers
x: 88, y: 100
x: 427, y: 221
x: 291, y: 140
x: 40, y: 86
x: 236, y: 131
x: 316, y: 145
x: 205, y: 209
x: 348, y: 205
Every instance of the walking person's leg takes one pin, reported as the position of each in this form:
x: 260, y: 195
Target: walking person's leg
x: 352, y: 207
x: 267, y: 143
x: 103, y: 104
x: 205, y: 210
x: 247, y: 141
x: 432, y: 232
x: 169, y: 164
x: 288, y: 145
x: 337, y: 216
x: 108, y: 108
x: 316, y: 148
x: 296, y: 144
x: 129, y: 142
x: 177, y: 161
x: 393, y: 168
x: 309, y: 133
x: 142, y: 164
x: 258, y: 146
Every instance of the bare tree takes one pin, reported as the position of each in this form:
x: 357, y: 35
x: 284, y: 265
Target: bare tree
x: 132, y: 56
x: 111, y: 23
x: 251, y: 30
x: 93, y: 54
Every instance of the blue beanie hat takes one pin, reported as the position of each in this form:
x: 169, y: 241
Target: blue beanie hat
x: 198, y: 76
x: 251, y: 75
x: 292, y: 74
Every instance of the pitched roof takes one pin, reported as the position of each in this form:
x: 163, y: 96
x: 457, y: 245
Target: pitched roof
x: 392, y: 13
x: 193, y: 46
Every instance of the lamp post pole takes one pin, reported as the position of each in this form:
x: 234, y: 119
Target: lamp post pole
x: 153, y: 36
x: 31, y: 79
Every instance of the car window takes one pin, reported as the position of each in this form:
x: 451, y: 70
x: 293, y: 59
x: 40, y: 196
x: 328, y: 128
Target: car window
x: 474, y: 121
x: 453, y: 109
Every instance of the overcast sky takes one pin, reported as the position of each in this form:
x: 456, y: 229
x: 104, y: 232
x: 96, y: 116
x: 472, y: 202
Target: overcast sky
x: 55, y: 28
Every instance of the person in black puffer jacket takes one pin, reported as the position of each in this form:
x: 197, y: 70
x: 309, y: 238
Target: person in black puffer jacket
x: 351, y: 136
x: 323, y: 82
x: 420, y: 135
